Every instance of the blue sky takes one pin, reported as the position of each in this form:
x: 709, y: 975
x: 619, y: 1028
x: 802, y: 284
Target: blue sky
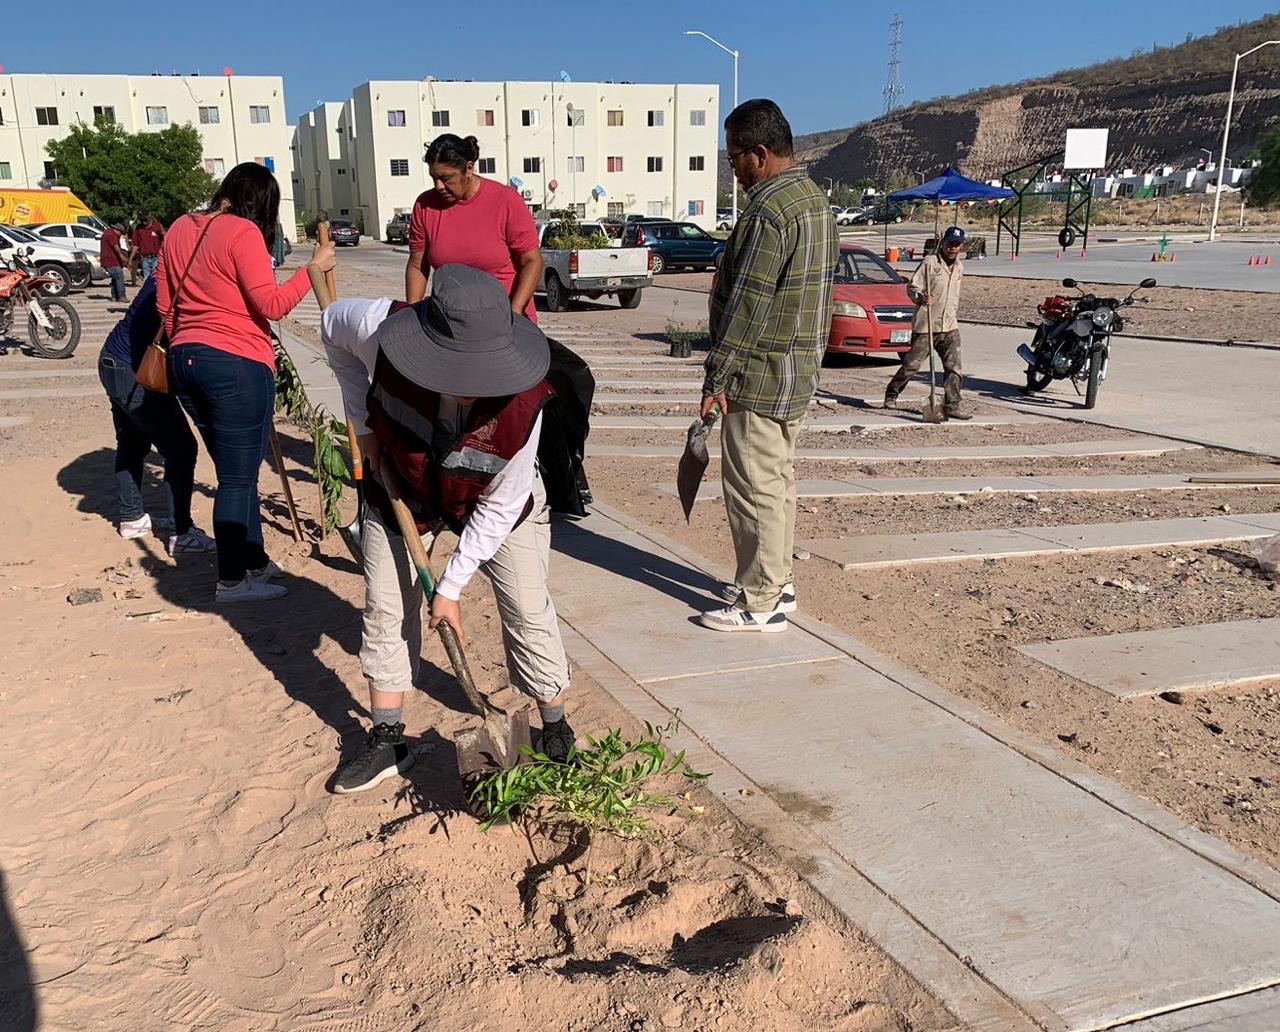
x: 825, y: 63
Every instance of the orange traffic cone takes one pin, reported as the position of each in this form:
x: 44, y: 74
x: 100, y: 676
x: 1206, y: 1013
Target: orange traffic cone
x: 1250, y: 261
x: 1082, y: 253
x: 1267, y: 260
x: 1173, y: 257
x: 1059, y: 254
x: 1153, y: 257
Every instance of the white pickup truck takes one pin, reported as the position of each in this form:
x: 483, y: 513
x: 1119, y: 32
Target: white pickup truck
x: 593, y: 272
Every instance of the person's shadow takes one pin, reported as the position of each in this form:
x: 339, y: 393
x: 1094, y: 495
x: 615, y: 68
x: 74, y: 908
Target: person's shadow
x: 19, y: 1008
x: 285, y: 636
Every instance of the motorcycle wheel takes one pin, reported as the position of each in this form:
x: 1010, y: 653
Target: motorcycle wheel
x: 1037, y: 381
x: 61, y: 340
x: 1095, y: 377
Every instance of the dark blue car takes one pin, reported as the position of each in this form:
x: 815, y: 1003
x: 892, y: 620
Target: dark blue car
x: 675, y: 244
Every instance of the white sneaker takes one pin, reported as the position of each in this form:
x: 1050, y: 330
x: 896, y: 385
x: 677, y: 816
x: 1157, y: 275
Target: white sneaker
x: 139, y: 528
x: 194, y: 540
x: 735, y: 619
x: 732, y: 594
x: 272, y: 571
x: 250, y: 590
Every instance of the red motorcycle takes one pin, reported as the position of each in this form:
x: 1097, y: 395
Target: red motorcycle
x: 53, y: 326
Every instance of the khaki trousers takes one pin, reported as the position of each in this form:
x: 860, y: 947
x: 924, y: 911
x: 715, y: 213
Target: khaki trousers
x: 947, y: 345
x: 392, y: 634
x: 758, y: 471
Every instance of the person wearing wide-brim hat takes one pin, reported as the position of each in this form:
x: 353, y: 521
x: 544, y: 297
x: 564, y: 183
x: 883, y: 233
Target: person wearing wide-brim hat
x: 449, y: 391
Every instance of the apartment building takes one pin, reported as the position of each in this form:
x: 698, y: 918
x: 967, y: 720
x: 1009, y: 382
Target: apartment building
x: 240, y: 118
x: 601, y: 148
x: 323, y: 162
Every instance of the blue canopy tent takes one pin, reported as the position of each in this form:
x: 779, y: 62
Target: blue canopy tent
x: 949, y: 188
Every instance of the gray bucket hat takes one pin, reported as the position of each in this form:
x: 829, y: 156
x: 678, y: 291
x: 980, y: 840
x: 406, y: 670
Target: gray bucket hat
x: 465, y: 340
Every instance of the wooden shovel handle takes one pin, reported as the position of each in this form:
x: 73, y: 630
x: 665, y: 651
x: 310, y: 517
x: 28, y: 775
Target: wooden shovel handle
x: 330, y: 277
x: 453, y: 647
x: 357, y: 460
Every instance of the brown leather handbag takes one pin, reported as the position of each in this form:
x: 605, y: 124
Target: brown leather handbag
x: 153, y: 370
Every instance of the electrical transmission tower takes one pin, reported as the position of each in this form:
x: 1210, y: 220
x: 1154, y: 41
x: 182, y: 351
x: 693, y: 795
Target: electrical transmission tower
x: 893, y: 88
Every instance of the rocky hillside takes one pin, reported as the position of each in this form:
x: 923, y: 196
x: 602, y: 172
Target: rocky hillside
x: 1161, y: 107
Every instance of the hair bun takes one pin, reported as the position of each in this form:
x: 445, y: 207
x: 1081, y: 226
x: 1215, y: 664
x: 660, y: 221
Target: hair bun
x: 471, y: 147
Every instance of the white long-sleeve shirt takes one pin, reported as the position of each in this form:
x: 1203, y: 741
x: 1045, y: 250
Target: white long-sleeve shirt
x: 347, y: 331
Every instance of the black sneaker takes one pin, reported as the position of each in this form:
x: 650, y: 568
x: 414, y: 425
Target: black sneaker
x: 557, y: 740
x: 384, y: 755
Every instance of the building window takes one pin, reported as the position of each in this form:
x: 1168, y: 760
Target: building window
x: 50, y: 172
x: 487, y: 166
x: 395, y: 118
x: 697, y: 117
x: 696, y: 207
x: 655, y: 164
x: 577, y: 163
x: 210, y: 116
x: 157, y: 116
x: 440, y: 119
x: 529, y: 117
x: 259, y: 114
x: 344, y: 211
x: 6, y: 170
x: 657, y: 118
x: 654, y: 209
x: 698, y: 164
x: 614, y: 164
x: 532, y: 165
x: 216, y: 167
x: 616, y: 209
x: 399, y: 166
x: 580, y: 210
x: 46, y: 116
x: 613, y: 118
x: 342, y: 171
x: 484, y: 117
x: 575, y: 118
x: 103, y: 114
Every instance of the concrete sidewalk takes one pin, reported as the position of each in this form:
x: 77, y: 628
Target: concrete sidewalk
x: 1060, y: 893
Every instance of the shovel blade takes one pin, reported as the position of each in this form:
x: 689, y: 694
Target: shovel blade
x: 351, y: 537
x: 693, y: 464
x: 932, y: 412
x: 495, y: 745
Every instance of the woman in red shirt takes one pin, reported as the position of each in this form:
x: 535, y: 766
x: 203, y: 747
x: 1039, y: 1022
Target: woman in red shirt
x: 470, y: 220
x: 221, y: 363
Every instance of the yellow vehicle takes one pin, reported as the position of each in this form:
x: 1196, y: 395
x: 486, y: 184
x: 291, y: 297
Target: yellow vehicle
x: 26, y: 207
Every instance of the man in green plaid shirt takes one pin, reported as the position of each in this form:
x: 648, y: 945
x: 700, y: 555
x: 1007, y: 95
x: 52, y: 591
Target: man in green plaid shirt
x: 770, y: 315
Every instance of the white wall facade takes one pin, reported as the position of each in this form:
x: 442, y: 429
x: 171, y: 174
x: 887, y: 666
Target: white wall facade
x: 555, y: 138
x: 323, y: 169
x: 150, y: 103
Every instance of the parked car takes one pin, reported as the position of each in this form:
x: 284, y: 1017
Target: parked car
x: 880, y: 214
x: 592, y: 272
x: 845, y: 216
x: 724, y: 218
x: 613, y: 225
x: 397, y: 231
x: 675, y: 244
x: 64, y: 265
x: 871, y: 310
x: 344, y: 231
x: 79, y: 236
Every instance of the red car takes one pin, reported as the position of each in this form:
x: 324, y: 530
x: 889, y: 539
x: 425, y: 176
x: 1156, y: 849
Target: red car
x: 872, y: 312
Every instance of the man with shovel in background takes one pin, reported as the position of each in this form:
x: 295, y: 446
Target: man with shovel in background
x: 770, y: 316
x: 935, y: 288
x: 450, y: 392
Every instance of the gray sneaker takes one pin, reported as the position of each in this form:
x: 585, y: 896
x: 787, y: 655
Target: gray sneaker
x: 732, y: 594
x: 735, y: 619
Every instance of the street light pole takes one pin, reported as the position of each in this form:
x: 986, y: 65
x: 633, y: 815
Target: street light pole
x: 1226, y: 131
x: 734, y: 55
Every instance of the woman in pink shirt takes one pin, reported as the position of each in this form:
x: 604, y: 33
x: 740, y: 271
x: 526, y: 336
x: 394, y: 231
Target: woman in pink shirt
x: 470, y: 220
x: 221, y: 363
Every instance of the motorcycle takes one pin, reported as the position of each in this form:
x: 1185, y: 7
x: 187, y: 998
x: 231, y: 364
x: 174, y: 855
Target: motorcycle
x: 1073, y: 339
x: 53, y: 326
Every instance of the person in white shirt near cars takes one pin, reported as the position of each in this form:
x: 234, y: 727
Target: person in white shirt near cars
x: 450, y: 392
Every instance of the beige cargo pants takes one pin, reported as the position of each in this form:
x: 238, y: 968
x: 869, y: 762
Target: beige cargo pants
x: 758, y: 471
x: 391, y: 642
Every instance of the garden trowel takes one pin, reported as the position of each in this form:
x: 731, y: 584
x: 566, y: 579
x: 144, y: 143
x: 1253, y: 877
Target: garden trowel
x: 693, y: 463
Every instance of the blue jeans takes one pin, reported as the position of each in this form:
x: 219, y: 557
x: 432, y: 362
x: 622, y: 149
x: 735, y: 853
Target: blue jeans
x: 149, y: 263
x: 143, y: 418
x: 117, y: 283
x: 230, y: 399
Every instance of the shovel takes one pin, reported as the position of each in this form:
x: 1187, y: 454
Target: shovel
x: 496, y: 744
x: 353, y: 532
x: 932, y: 411
x: 693, y: 463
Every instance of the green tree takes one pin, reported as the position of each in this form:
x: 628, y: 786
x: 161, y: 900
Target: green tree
x: 1263, y: 186
x: 119, y: 174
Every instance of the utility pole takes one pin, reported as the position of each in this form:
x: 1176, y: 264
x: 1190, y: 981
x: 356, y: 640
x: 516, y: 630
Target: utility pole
x: 1226, y: 132
x: 893, y: 88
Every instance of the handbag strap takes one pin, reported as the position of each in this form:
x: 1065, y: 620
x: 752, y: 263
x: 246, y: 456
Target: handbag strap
x: 164, y: 323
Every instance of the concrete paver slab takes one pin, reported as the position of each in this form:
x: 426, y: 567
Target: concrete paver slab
x: 1147, y: 662
x: 930, y: 454
x: 1254, y: 1012
x: 1079, y: 913
x: 713, y: 489
x: 831, y: 424
x: 602, y: 610
x: 1264, y: 520
x: 1137, y: 445
x: 50, y: 392
x: 46, y: 374
x: 1189, y: 530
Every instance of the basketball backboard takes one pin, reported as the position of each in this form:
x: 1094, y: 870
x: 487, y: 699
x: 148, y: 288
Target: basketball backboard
x: 1086, y: 148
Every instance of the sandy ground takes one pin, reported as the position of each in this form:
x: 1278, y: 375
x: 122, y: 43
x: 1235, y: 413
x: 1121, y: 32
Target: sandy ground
x: 171, y: 857
x: 958, y: 624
